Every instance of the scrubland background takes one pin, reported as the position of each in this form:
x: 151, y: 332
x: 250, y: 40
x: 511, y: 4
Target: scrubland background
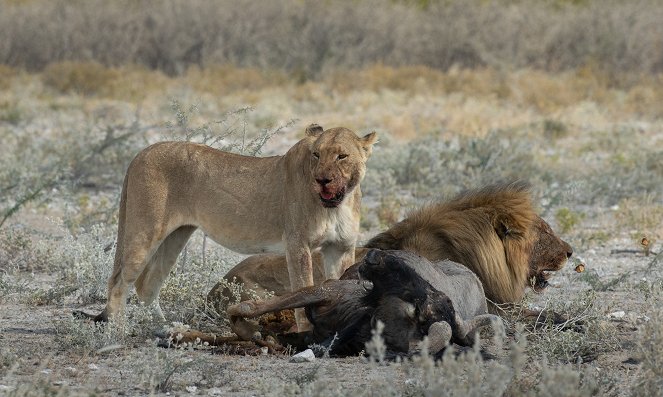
x: 565, y: 94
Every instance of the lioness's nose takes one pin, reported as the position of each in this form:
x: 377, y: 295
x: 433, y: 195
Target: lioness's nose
x: 569, y: 252
x: 323, y: 181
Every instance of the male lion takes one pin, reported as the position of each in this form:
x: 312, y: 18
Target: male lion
x: 307, y: 198
x: 494, y: 231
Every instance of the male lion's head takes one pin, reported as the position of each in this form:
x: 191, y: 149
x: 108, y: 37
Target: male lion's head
x: 494, y: 231
x: 338, y: 162
x: 549, y: 254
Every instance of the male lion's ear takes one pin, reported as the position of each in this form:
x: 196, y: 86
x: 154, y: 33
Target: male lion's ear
x: 314, y: 130
x: 507, y: 227
x: 368, y: 140
x: 502, y: 229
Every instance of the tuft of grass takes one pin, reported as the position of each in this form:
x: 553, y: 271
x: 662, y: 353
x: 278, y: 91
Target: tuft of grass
x: 85, y: 78
x: 7, y: 74
x: 229, y: 133
x: 553, y: 129
x: 19, y: 252
x: 642, y: 216
x: 88, y: 337
x: 567, y: 219
x: 159, y: 367
x: 183, y: 295
x: 85, y: 263
x: 561, y: 342
x: 10, y: 113
x: 650, y: 352
x: 389, y: 210
x: 226, y: 79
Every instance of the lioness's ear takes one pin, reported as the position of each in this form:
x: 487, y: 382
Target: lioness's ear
x: 368, y: 140
x: 314, y: 130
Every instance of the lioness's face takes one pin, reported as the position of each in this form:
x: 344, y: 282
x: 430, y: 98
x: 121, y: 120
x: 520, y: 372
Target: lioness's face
x: 338, y: 162
x: 549, y: 254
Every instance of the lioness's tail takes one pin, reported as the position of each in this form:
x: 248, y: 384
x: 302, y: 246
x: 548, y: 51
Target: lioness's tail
x: 119, y: 247
x: 117, y: 267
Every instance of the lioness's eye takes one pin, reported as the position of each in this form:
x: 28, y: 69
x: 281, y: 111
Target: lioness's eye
x: 316, y: 155
x: 342, y: 156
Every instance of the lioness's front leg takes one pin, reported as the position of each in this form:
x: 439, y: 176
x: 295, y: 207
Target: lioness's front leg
x: 337, y: 257
x: 300, y: 272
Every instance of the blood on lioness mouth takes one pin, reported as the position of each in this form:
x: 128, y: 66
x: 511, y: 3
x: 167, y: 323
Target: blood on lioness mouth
x: 331, y: 199
x: 327, y: 195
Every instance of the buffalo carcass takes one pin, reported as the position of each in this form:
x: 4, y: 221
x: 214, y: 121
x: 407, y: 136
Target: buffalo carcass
x: 410, y: 295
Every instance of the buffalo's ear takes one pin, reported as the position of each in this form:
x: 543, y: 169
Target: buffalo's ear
x: 367, y: 142
x: 314, y: 130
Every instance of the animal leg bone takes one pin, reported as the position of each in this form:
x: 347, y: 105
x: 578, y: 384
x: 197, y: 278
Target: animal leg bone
x: 301, y: 298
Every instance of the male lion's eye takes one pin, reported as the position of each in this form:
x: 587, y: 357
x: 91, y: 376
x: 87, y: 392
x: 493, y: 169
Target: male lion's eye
x: 316, y: 155
x: 342, y: 156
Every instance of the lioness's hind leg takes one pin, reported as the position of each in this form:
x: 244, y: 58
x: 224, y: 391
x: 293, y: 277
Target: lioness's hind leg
x: 154, y: 274
x: 130, y: 263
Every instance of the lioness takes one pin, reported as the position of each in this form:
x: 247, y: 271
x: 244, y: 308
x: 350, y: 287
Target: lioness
x: 307, y: 198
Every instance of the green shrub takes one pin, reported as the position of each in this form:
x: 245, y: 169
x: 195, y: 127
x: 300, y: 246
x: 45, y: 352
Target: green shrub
x: 567, y: 219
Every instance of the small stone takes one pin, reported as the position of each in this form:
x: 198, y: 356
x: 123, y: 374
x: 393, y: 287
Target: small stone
x: 192, y: 389
x: 93, y: 367
x: 618, y: 314
x: 264, y: 350
x: 306, y: 356
x: 642, y: 319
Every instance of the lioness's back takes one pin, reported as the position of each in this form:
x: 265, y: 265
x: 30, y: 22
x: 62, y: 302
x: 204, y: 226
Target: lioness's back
x: 193, y: 184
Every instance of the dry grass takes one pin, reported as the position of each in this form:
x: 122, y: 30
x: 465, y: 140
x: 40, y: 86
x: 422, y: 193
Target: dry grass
x: 308, y: 39
x: 407, y: 101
